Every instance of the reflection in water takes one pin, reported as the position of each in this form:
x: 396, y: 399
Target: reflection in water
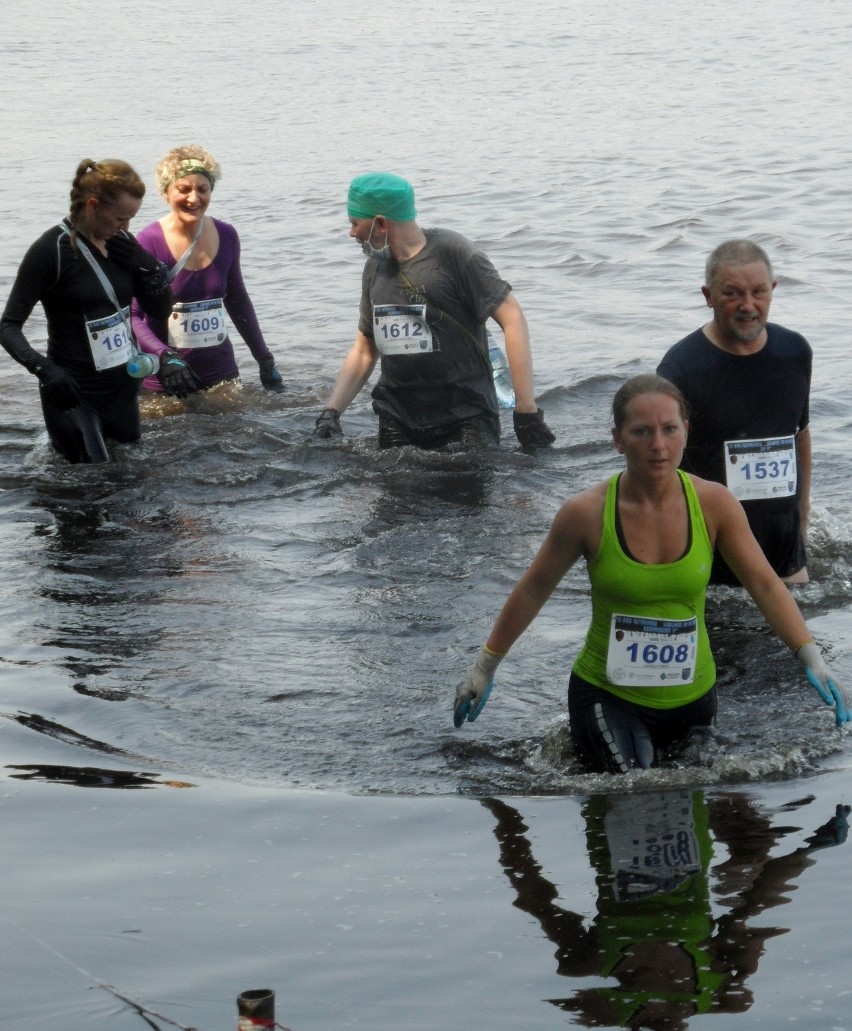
x: 654, y: 936
x: 106, y: 555
x: 426, y: 486
x: 92, y: 777
x: 50, y: 728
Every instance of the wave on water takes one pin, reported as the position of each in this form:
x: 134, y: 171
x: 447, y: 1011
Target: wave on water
x: 231, y: 598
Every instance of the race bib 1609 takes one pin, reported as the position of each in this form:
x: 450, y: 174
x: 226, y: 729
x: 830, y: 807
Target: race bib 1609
x: 195, y: 324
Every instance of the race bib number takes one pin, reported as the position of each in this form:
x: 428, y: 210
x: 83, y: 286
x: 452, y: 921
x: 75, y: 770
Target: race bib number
x: 196, y: 324
x: 648, y: 652
x: 757, y: 469
x: 401, y: 329
x: 653, y: 844
x: 109, y: 340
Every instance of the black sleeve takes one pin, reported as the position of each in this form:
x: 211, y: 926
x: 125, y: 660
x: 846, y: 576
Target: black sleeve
x: 153, y: 291
x: 37, y: 272
x: 150, y: 276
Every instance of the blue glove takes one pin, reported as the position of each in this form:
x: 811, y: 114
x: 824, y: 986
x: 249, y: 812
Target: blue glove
x: 831, y: 693
x: 472, y: 695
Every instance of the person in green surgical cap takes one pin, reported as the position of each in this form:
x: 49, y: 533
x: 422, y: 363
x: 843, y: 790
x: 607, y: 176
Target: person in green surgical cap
x: 426, y: 298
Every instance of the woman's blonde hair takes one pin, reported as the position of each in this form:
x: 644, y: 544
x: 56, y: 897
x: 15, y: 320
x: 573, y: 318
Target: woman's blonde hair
x: 182, y: 161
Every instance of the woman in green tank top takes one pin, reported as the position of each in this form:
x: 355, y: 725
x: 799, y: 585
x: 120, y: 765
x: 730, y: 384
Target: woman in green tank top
x: 645, y: 676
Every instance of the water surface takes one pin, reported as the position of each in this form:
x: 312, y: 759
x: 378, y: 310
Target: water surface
x: 283, y: 623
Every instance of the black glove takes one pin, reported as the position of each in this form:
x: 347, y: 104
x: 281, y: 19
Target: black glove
x: 531, y: 430
x: 834, y: 832
x: 130, y: 255
x: 176, y: 376
x: 270, y: 377
x: 57, y: 387
x: 328, y: 424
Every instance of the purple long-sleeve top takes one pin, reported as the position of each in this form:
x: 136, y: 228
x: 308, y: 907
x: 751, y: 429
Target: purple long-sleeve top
x: 222, y: 278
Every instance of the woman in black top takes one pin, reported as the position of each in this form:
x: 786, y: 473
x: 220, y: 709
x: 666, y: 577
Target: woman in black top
x: 84, y: 272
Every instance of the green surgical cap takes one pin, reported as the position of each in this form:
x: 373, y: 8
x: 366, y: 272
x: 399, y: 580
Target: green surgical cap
x: 381, y: 193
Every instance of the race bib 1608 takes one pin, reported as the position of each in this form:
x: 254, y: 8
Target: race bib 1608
x: 644, y: 651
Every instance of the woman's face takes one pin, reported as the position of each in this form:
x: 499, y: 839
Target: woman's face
x: 103, y: 219
x: 653, y: 435
x: 189, y: 197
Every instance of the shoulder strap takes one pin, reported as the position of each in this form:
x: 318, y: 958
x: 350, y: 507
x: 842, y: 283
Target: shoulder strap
x: 184, y: 258
x: 105, y: 283
x: 452, y: 318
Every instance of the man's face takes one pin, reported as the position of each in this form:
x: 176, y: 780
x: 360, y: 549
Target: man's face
x: 359, y: 228
x: 369, y: 230
x: 740, y: 296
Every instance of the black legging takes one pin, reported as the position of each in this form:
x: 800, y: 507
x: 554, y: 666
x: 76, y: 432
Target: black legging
x: 478, y: 432
x: 614, y: 736
x: 78, y: 434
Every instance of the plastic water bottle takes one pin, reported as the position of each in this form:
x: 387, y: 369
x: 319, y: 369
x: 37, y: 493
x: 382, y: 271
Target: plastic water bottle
x: 502, y: 377
x: 142, y: 364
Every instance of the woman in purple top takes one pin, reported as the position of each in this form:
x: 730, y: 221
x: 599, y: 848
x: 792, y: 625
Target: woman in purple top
x: 203, y: 258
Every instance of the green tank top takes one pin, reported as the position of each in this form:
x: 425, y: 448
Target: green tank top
x: 676, y: 919
x: 647, y: 642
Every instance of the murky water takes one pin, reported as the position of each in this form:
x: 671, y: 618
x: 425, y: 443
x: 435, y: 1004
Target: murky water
x: 231, y: 600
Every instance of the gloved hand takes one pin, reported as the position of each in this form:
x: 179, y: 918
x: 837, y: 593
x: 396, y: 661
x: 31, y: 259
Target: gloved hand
x: 328, y: 424
x: 130, y: 255
x: 834, y: 831
x: 270, y: 377
x: 531, y: 430
x: 810, y: 657
x: 176, y: 376
x: 473, y: 693
x: 57, y: 386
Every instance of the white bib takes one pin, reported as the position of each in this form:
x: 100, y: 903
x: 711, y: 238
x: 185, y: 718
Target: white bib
x: 109, y: 340
x: 196, y: 324
x: 401, y: 329
x: 653, y: 844
x: 761, y: 468
x: 645, y: 652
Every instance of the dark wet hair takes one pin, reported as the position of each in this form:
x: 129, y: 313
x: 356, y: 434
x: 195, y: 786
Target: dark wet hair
x: 735, y: 252
x: 106, y: 180
x: 646, y: 383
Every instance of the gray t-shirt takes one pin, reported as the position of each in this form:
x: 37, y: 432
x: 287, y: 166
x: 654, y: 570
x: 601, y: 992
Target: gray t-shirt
x: 449, y: 380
